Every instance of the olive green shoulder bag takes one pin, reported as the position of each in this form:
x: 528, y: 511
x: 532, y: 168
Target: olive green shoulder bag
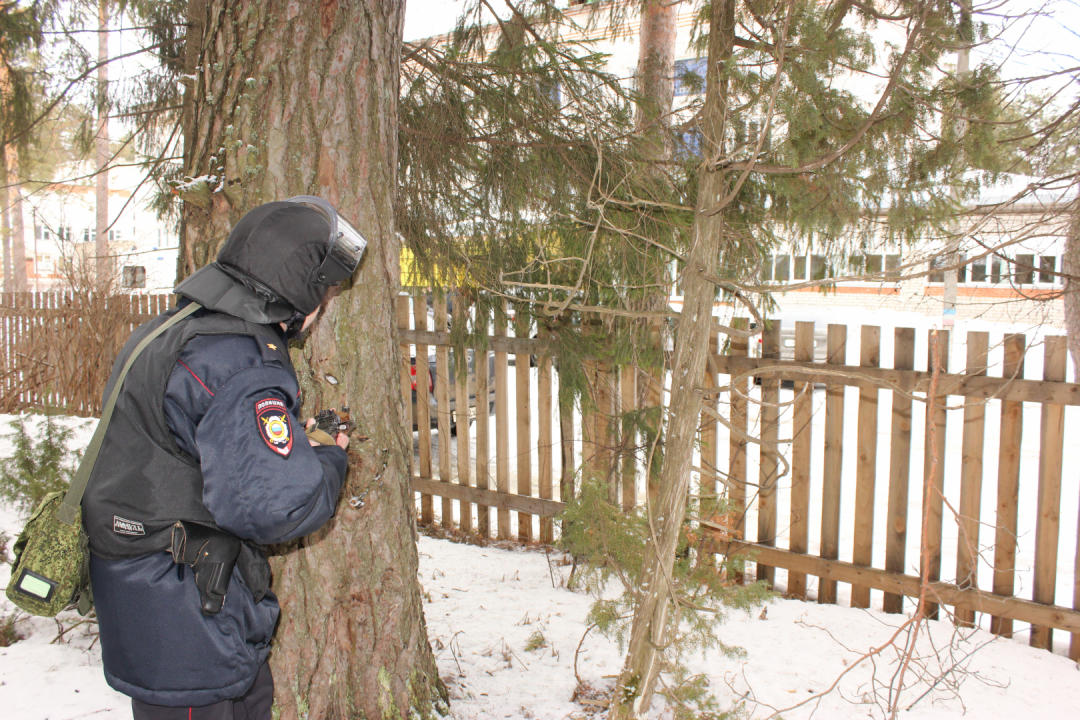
x: 52, y: 555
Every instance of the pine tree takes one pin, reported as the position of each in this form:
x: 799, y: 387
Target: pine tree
x: 293, y: 99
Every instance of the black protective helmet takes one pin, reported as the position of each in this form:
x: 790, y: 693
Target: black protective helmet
x: 285, y: 256
x: 296, y: 249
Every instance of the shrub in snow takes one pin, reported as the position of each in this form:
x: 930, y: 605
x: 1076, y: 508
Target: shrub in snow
x: 38, y: 465
x: 609, y: 544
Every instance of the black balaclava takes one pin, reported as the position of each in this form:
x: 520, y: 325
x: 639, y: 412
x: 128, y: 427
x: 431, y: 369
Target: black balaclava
x: 278, y: 245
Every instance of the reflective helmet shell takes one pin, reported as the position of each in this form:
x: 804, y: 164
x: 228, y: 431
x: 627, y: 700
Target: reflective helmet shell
x: 278, y: 245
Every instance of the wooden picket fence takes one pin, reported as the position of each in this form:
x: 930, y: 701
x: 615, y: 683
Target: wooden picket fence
x: 486, y: 503
x: 58, y: 348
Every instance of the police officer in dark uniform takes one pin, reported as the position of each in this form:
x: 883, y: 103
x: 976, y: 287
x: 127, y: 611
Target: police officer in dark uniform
x: 204, y: 461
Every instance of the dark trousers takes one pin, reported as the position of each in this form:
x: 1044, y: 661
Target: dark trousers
x: 255, y: 704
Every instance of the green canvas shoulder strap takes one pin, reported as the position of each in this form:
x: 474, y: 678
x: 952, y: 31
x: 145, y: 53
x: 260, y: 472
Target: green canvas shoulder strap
x: 69, y: 508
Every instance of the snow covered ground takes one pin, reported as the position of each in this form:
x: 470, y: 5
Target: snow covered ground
x: 485, y: 603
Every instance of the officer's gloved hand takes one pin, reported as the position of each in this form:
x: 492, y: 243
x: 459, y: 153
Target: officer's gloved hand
x: 211, y: 553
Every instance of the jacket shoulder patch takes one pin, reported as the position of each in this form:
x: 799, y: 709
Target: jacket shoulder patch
x: 275, y: 427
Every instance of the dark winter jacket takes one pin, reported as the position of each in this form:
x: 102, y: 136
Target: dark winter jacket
x: 157, y: 646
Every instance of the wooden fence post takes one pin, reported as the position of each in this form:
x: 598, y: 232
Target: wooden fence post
x: 739, y: 347
x: 442, y: 407
x: 801, y: 456
x: 1047, y: 526
x: 899, y: 469
x: 628, y: 404
x: 566, y: 442
x: 934, y: 482
x: 502, y: 424
x: 461, y: 414
x: 483, y: 426
x: 971, y: 477
x: 707, y: 433
x: 834, y: 452
x: 544, y: 440
x: 406, y: 377
x: 423, y: 409
x: 522, y: 373
x: 1008, y: 488
x: 866, y: 464
x: 768, y: 463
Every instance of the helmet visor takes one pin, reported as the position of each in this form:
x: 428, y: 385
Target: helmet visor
x: 346, y: 244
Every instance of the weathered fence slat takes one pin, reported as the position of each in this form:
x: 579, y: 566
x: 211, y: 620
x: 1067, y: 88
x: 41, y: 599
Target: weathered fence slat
x: 971, y: 478
x: 934, y: 467
x: 708, y: 436
x: 442, y: 408
x: 939, y: 592
x: 491, y: 498
x: 566, y: 443
x: 802, y: 416
x: 423, y: 408
x: 522, y: 374
x: 461, y: 417
x: 628, y: 404
x: 544, y: 441
x: 1047, y: 526
x: 739, y: 347
x: 1008, y: 486
x: 406, y: 379
x: 866, y: 464
x: 607, y: 430
x: 483, y: 425
x: 833, y: 458
x: 899, y: 469
x: 1074, y: 641
x: 769, y: 462
x: 980, y: 387
x: 502, y: 425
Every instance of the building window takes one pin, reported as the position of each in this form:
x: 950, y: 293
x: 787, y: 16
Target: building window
x: 41, y: 233
x: 1047, y: 266
x: 782, y: 268
x: 134, y: 276
x: 800, y: 267
x: 1025, y: 269
x: 689, y: 76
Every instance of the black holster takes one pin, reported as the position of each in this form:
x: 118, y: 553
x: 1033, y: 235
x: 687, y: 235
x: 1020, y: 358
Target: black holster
x: 212, y: 555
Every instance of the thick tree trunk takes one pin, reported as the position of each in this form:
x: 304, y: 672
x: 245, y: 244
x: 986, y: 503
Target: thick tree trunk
x: 649, y: 634
x: 652, y: 123
x: 1070, y: 266
x: 104, y: 267
x: 18, y: 231
x: 302, y: 98
x: 655, y: 70
x: 5, y: 224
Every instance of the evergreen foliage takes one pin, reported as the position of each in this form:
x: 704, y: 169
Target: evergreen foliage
x: 38, y: 465
x: 20, y: 36
x: 609, y: 546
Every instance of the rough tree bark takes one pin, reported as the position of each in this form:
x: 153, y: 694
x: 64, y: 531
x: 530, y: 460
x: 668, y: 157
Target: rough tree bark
x: 5, y: 225
x: 655, y: 69
x: 18, y: 231
x: 649, y: 633
x: 297, y: 98
x: 652, y: 123
x: 104, y: 266
x: 1070, y: 266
